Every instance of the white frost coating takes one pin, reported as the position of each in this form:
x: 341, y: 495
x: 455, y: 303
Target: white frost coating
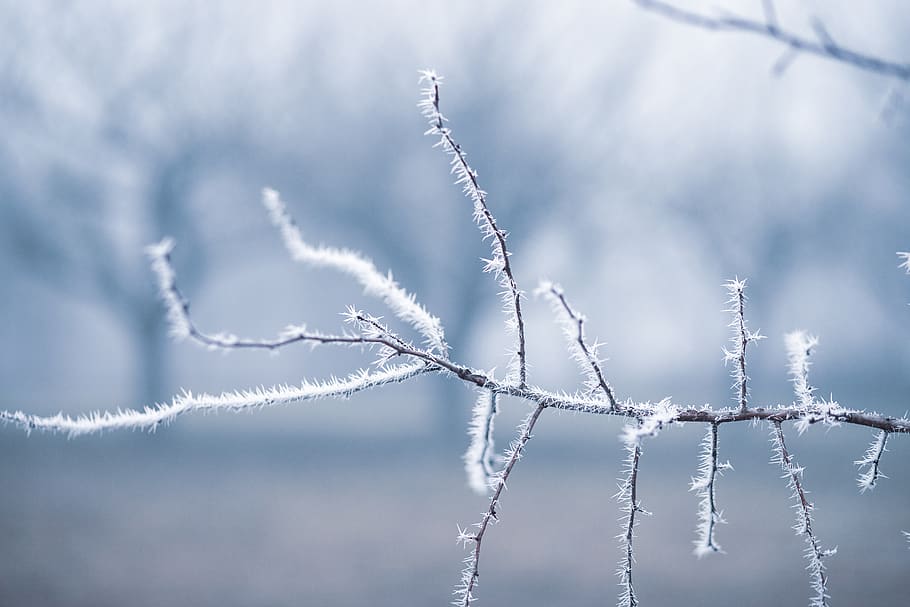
x: 586, y: 356
x: 906, y: 263
x: 799, y: 348
x: 151, y: 417
x: 480, y: 457
x: 814, y: 553
x: 466, y: 177
x: 704, y: 484
x: 659, y: 415
x: 177, y: 318
x: 740, y: 338
x: 403, y: 304
x: 872, y: 459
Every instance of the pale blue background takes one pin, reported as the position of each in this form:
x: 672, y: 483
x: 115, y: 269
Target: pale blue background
x: 637, y: 162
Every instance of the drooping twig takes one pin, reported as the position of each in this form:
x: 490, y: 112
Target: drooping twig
x: 708, y: 514
x: 741, y: 338
x: 628, y: 497
x: 872, y: 460
x: 824, y: 46
x: 814, y: 552
x: 499, y: 265
x: 464, y: 592
x: 480, y: 458
x: 574, y: 329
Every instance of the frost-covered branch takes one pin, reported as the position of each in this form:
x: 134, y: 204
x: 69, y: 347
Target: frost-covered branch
x: 814, y: 552
x: 646, y: 419
x: 464, y: 592
x: 741, y: 338
x: 574, y: 329
x: 628, y: 497
x: 823, y: 45
x: 499, y: 264
x: 373, y: 332
x: 799, y: 348
x: 872, y: 460
x: 480, y: 458
x: 403, y: 304
x: 150, y: 418
x: 704, y: 485
x: 630, y: 506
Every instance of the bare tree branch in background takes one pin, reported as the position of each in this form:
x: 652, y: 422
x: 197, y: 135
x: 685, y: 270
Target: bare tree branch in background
x: 824, y: 45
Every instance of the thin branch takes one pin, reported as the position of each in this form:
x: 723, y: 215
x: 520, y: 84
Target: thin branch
x: 403, y: 304
x: 741, y: 338
x: 799, y: 347
x: 464, y: 592
x: 574, y: 329
x: 628, y: 497
x: 814, y: 552
x: 480, y: 457
x: 823, y: 47
x: 557, y: 400
x: 183, y: 326
x: 872, y: 458
x: 770, y: 12
x: 708, y: 514
x: 467, y: 178
x: 150, y: 418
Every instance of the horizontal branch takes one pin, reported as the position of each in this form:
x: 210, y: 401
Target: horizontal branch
x: 433, y: 363
x: 150, y: 418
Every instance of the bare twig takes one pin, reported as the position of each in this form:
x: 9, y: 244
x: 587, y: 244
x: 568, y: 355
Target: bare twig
x: 467, y: 177
x: 464, y: 592
x: 741, y: 338
x: 628, y: 496
x: 403, y: 304
x: 872, y: 459
x: 814, y: 552
x: 708, y: 515
x: 480, y: 458
x: 585, y: 355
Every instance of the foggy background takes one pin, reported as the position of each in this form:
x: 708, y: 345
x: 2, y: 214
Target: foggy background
x: 638, y: 162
